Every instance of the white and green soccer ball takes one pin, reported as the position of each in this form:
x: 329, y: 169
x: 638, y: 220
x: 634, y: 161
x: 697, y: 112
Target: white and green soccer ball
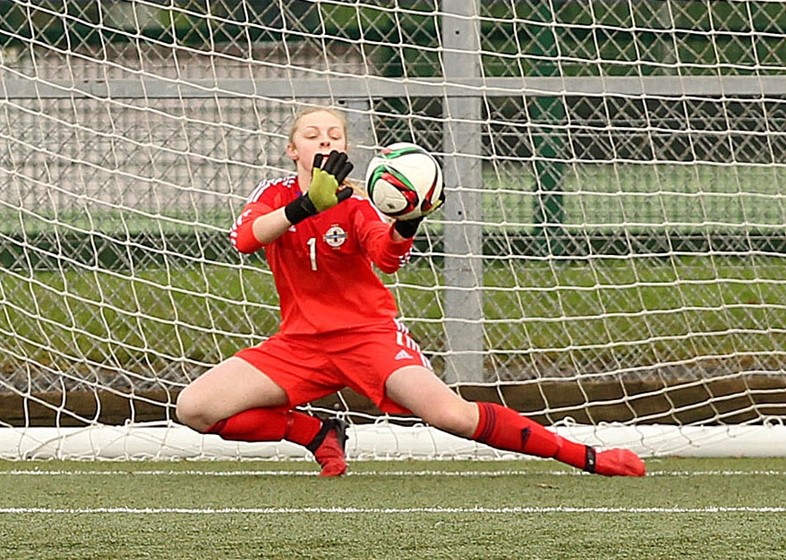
x: 404, y: 181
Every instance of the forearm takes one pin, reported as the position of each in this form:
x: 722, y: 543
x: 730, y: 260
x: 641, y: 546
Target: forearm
x: 257, y: 226
x: 269, y: 227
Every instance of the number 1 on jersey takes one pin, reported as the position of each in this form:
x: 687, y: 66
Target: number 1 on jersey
x: 312, y: 251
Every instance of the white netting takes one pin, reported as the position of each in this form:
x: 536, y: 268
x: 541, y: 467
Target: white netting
x: 612, y: 248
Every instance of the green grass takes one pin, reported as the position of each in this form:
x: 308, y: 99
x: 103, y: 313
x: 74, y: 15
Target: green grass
x: 644, y: 197
x: 628, y: 311
x: 687, y: 508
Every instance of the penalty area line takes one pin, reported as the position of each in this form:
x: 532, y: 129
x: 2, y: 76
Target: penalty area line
x: 386, y: 511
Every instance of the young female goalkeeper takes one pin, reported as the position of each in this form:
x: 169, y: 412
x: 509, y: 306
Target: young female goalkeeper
x: 339, y: 327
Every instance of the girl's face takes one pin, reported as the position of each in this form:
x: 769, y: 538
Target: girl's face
x: 319, y: 132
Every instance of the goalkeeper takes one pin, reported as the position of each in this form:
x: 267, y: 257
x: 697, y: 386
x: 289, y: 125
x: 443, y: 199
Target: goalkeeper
x: 339, y: 327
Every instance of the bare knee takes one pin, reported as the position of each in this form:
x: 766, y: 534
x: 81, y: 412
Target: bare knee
x: 459, y: 418
x: 191, y: 408
x: 225, y: 390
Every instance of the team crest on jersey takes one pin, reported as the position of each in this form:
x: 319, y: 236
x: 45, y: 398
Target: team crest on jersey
x: 335, y: 236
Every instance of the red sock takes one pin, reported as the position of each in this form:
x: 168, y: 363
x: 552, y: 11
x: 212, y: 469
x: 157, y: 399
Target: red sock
x: 268, y: 424
x: 504, y: 428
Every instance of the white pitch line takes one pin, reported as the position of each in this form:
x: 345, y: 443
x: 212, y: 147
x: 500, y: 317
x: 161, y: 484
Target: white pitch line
x: 387, y: 511
x: 310, y: 473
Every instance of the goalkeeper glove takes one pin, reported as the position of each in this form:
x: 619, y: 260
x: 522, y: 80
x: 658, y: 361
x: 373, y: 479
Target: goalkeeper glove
x: 408, y: 228
x: 323, y: 193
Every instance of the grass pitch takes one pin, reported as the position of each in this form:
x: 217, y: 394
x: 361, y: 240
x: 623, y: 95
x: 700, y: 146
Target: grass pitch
x: 686, y: 509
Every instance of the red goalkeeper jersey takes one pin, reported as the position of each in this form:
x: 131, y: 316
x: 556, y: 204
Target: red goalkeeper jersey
x: 323, y: 265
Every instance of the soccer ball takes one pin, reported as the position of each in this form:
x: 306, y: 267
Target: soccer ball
x: 404, y: 181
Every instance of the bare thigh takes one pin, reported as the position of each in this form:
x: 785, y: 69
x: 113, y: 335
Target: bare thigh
x: 426, y: 395
x: 232, y: 386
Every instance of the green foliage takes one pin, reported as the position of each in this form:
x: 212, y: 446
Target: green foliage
x: 708, y: 34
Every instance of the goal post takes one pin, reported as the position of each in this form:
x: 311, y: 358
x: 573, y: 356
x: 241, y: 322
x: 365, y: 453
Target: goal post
x: 610, y: 260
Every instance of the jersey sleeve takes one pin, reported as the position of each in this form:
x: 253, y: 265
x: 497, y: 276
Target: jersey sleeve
x: 241, y: 235
x: 265, y: 198
x: 377, y: 240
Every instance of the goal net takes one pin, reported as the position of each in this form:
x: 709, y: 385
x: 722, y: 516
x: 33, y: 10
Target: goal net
x: 611, y: 259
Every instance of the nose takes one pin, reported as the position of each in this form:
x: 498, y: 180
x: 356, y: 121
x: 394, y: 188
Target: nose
x: 324, y: 142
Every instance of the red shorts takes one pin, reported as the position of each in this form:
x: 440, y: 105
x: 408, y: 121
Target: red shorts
x: 311, y: 367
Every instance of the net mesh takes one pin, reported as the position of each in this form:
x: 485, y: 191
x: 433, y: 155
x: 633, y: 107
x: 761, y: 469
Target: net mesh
x: 612, y: 248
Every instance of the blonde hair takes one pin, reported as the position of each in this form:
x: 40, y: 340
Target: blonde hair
x: 311, y: 110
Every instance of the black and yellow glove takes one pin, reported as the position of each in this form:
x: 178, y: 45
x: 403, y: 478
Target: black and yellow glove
x: 323, y: 193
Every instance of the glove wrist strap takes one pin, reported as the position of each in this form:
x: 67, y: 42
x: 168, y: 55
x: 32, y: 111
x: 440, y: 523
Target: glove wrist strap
x: 407, y: 228
x: 300, y: 209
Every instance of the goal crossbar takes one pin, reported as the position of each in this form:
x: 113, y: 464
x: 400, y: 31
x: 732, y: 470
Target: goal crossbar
x: 378, y: 87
